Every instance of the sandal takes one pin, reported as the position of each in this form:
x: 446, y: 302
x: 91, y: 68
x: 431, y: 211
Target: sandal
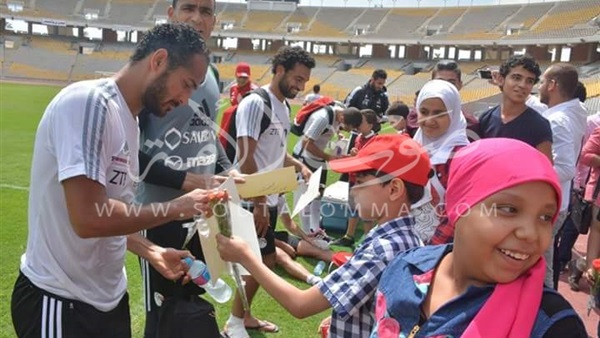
x: 264, y: 326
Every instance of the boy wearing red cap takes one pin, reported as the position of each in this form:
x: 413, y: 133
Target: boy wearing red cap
x: 243, y: 83
x: 391, y: 172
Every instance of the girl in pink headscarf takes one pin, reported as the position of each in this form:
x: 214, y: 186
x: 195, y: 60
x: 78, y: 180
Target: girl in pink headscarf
x: 502, y: 198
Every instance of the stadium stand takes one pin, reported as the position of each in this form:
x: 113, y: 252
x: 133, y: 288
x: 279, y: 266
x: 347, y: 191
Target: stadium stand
x: 477, y: 19
x: 401, y: 23
x: 265, y: 21
x: 369, y: 19
x: 446, y: 18
x: 302, y: 16
x: 232, y: 13
x: 337, y: 74
x: 528, y: 15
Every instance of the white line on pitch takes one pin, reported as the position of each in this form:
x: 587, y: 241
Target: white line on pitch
x: 14, y: 187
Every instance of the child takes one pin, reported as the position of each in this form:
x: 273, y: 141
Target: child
x: 397, y: 115
x: 442, y: 131
x: 366, y: 134
x: 391, y: 172
x: 503, y: 197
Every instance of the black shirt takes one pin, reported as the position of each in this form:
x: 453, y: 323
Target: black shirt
x: 529, y: 127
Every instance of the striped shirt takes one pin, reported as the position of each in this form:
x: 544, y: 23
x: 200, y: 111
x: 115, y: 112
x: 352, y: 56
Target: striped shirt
x: 271, y: 145
x: 319, y: 130
x: 87, y: 130
x: 351, y: 288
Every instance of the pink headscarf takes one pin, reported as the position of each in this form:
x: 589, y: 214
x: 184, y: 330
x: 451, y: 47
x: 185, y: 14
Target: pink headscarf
x: 478, y: 171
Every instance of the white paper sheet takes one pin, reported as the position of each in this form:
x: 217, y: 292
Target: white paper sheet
x: 311, y: 192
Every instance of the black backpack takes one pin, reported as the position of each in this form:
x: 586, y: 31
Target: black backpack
x: 228, y: 130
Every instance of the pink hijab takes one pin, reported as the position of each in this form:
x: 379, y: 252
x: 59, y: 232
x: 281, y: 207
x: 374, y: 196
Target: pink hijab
x: 478, y: 171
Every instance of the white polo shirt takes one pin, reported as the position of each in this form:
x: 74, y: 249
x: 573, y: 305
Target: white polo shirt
x: 87, y: 130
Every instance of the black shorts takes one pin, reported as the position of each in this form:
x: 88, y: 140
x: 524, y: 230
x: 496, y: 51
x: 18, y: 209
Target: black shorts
x: 171, y: 235
x: 182, y: 317
x: 273, y: 214
x: 284, y: 236
x: 35, y: 311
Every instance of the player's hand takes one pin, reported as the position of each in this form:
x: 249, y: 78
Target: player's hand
x: 261, y: 218
x: 192, y: 204
x: 167, y: 261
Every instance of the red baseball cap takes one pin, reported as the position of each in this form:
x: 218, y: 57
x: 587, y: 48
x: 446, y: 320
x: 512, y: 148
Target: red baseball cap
x: 242, y: 70
x: 393, y: 154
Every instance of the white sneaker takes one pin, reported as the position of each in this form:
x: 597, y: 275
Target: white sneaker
x: 235, y: 331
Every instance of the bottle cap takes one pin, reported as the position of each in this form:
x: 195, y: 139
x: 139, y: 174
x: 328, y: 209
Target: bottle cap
x: 188, y: 261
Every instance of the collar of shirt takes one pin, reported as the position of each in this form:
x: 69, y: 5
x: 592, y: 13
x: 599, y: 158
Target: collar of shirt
x: 405, y: 223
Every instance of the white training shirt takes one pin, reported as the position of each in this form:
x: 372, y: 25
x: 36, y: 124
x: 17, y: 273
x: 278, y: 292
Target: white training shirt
x: 318, y: 129
x: 87, y: 130
x: 271, y: 146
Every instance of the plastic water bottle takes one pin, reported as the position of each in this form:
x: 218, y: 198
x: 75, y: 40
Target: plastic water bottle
x: 319, y: 268
x: 220, y: 292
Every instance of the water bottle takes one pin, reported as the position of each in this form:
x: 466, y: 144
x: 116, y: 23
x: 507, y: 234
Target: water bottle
x: 319, y: 268
x: 220, y: 292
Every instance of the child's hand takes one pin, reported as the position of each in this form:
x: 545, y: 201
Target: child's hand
x: 353, y: 152
x: 232, y: 249
x: 589, y: 276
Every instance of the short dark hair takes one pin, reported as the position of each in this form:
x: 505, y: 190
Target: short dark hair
x: 288, y: 57
x: 369, y: 115
x: 174, y: 4
x: 181, y: 41
x: 450, y: 65
x: 580, y: 92
x: 398, y: 108
x: 526, y: 61
x: 316, y: 88
x: 414, y: 192
x: 352, y: 117
x: 379, y: 74
x: 566, y: 78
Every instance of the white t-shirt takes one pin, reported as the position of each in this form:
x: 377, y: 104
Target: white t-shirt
x: 318, y: 129
x: 87, y: 130
x: 271, y: 145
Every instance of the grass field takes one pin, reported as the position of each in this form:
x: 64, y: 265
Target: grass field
x: 21, y: 107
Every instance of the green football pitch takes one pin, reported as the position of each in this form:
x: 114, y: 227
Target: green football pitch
x: 21, y: 107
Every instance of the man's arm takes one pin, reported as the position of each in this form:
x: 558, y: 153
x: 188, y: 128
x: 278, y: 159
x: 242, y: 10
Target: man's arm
x: 299, y: 303
x: 246, y: 149
x: 564, y: 158
x: 93, y: 214
x: 166, y: 261
x: 310, y: 146
x: 546, y: 149
x: 158, y: 173
x: 290, y: 161
x: 352, y: 98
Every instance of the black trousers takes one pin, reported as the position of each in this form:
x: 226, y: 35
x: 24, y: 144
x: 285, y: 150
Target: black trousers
x: 35, y: 311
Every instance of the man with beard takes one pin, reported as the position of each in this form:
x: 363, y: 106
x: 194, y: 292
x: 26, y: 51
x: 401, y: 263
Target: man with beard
x: 83, y: 177
x: 372, y: 95
x: 257, y: 152
x: 568, y: 120
x: 180, y: 152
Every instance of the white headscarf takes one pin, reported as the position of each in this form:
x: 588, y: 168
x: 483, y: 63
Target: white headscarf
x: 439, y: 149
